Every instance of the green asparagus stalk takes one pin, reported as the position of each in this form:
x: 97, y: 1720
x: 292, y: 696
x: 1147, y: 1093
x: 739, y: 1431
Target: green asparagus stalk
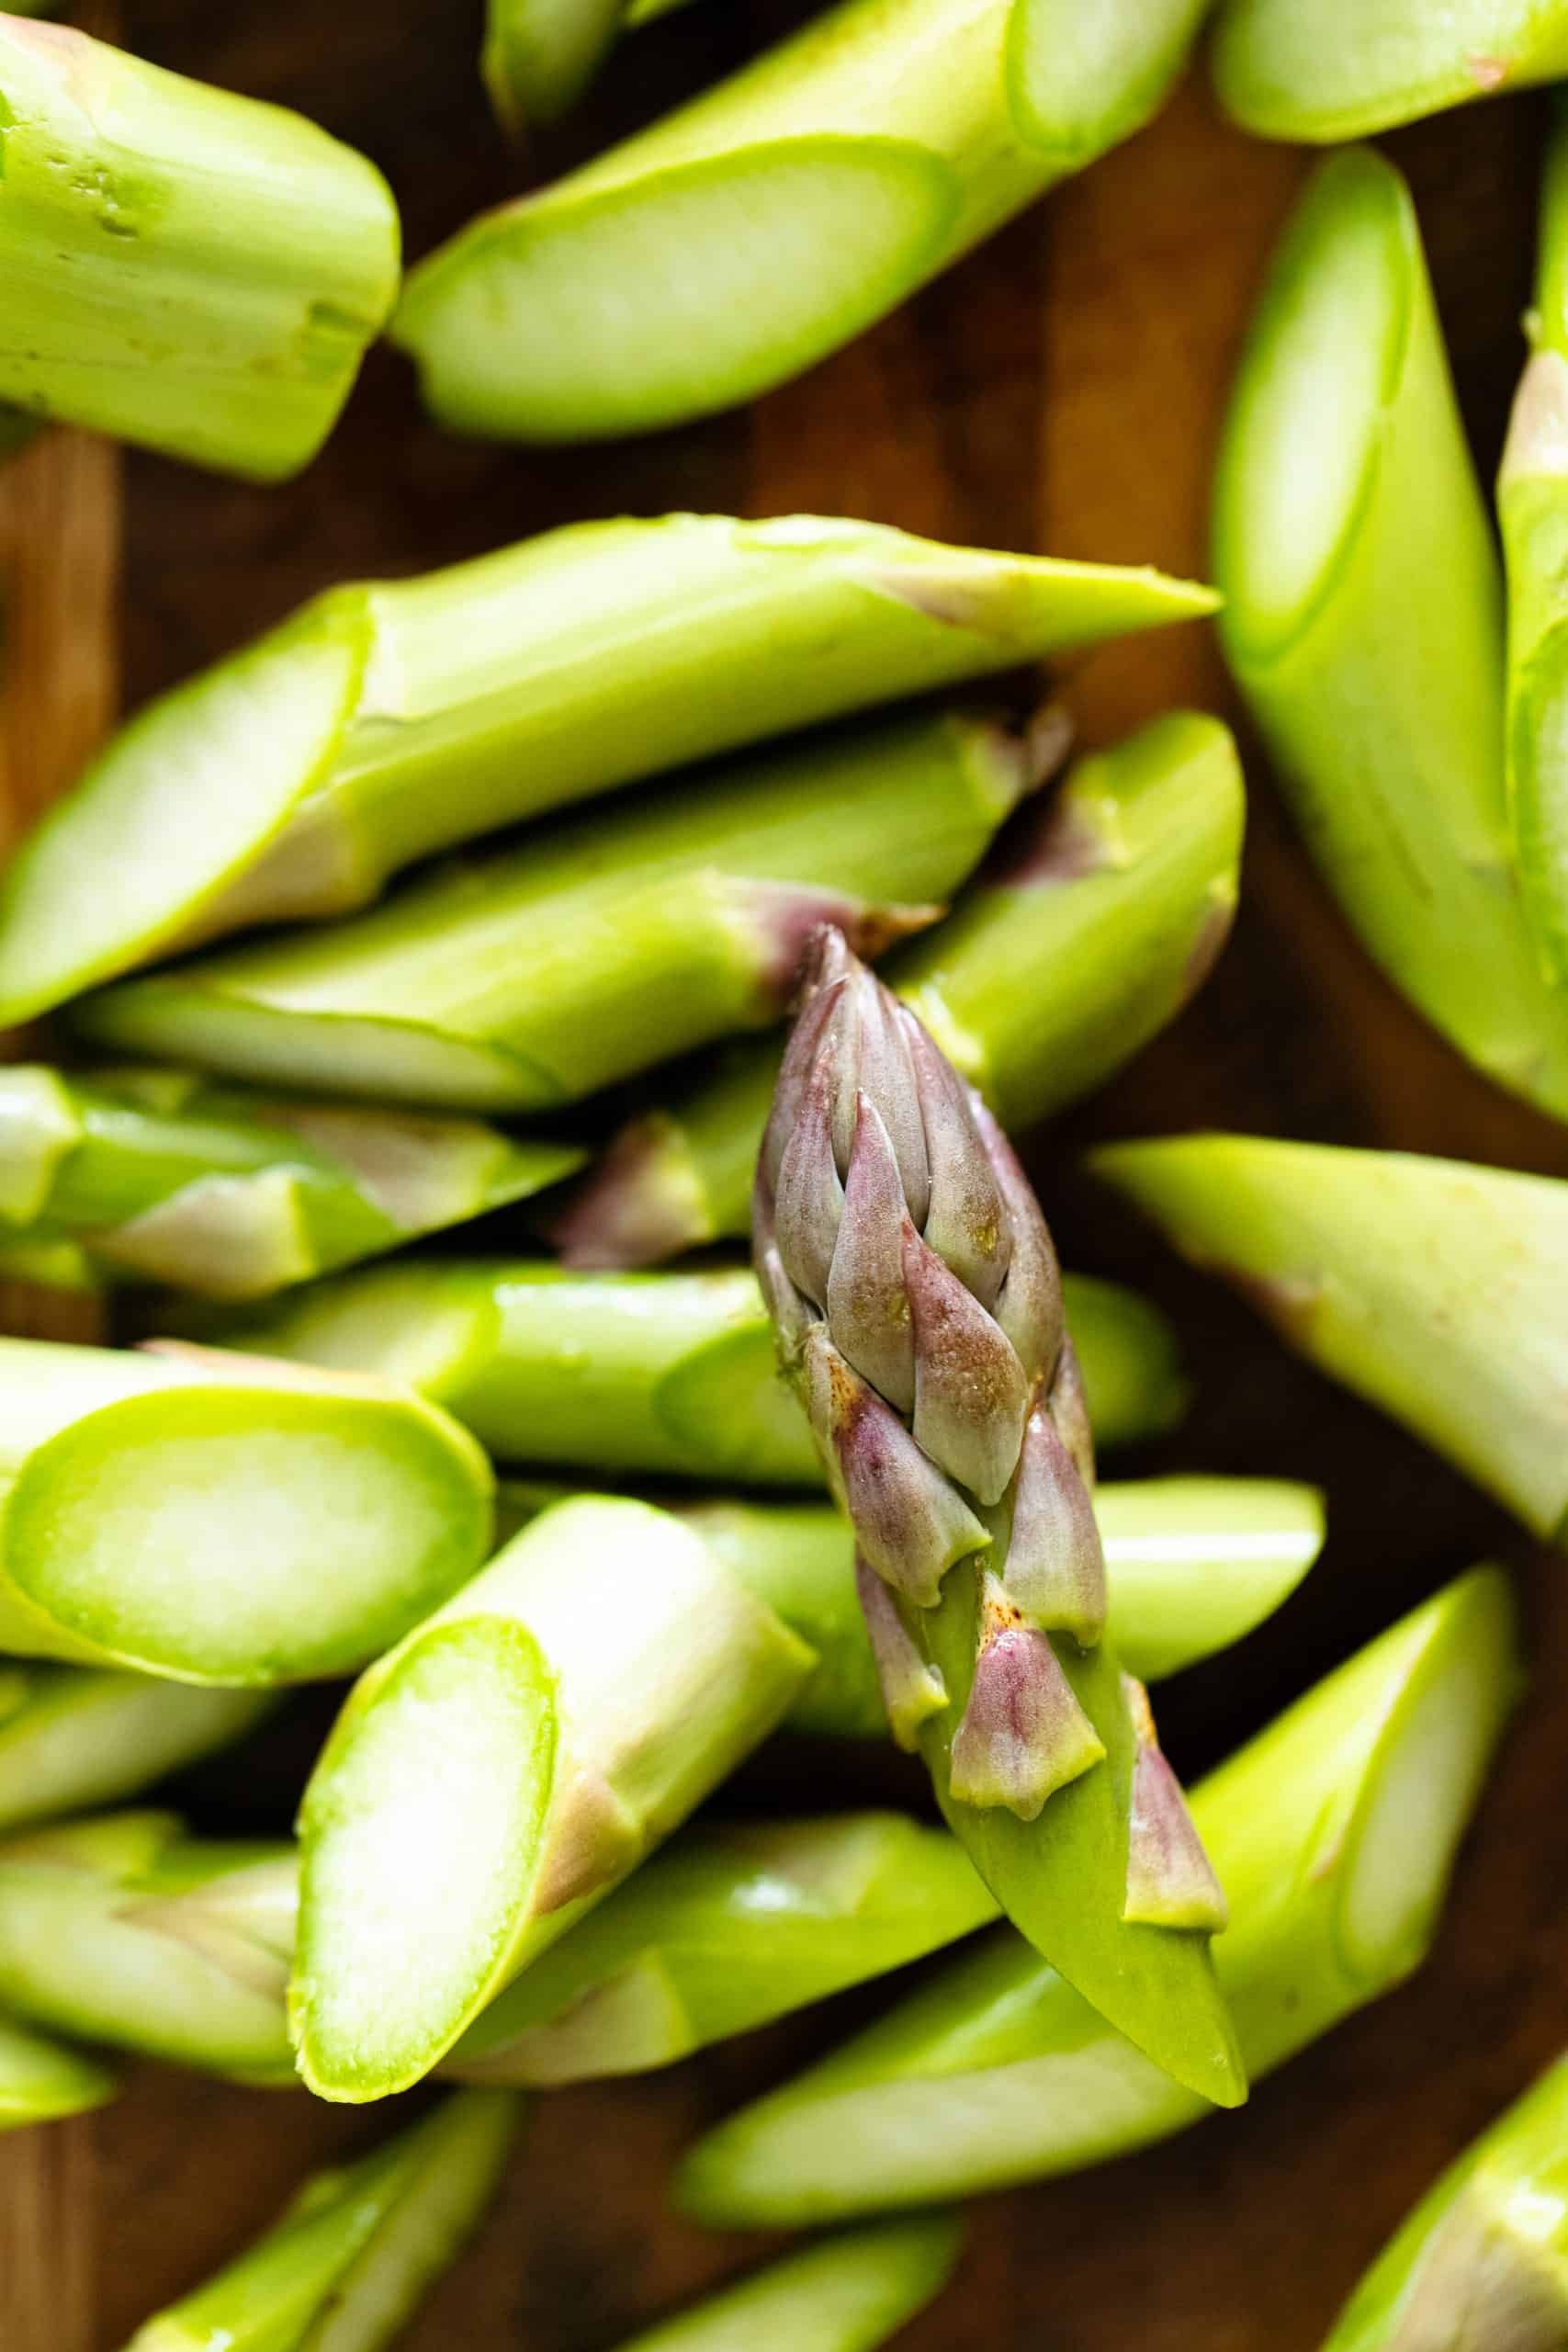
x: 671, y: 1374
x: 1363, y: 621
x: 40, y: 2082
x: 1532, y: 506
x: 1436, y: 1289
x: 761, y: 226
x: 1087, y: 931
x: 350, y: 2257
x: 730, y: 1927
x: 917, y: 1302
x: 155, y: 1176
x: 1483, y: 2259
x: 216, y: 1518
x: 539, y: 56
x: 71, y: 1738
x: 1194, y: 1563
x: 1335, y: 1831
x: 124, y: 1929
x: 848, y: 2294
x: 181, y: 267
x: 1327, y: 70
x: 537, y: 974
x: 512, y: 1760
x: 392, y: 718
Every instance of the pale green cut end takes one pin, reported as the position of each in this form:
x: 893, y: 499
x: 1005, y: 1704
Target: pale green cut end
x: 178, y: 806
x: 848, y: 2293
x: 1327, y: 70
x: 1080, y: 79
x: 573, y: 318
x: 232, y: 1533
x: 422, y: 1828
x: 1321, y: 362
x: 40, y: 2081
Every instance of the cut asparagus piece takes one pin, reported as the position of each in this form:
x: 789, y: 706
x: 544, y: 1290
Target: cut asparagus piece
x: 156, y: 1177
x: 1087, y: 931
x: 1194, y: 1563
x: 543, y: 971
x: 217, y: 1518
x: 124, y: 1929
x: 506, y: 1766
x: 1532, y: 506
x: 539, y: 56
x: 1334, y: 1831
x: 350, y: 2257
x: 1327, y: 70
x: 917, y: 1304
x: 730, y: 1927
x: 72, y: 1737
x: 666, y: 1372
x: 1483, y: 2261
x: 1363, y: 621
x: 40, y: 2082
x: 392, y: 718
x: 1436, y: 1289
x: 848, y: 2294
x: 759, y: 228
x: 181, y: 267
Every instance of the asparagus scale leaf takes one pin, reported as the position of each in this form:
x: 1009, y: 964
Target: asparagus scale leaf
x: 1091, y: 923
x: 1334, y: 1832
x: 387, y: 720
x: 917, y: 1301
x: 72, y: 1737
x: 848, y: 2294
x: 1339, y: 69
x: 40, y: 2082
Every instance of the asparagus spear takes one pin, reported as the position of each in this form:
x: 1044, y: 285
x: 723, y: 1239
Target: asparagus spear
x: 350, y: 2258
x: 157, y: 1177
x: 1437, y: 1290
x: 1363, y: 621
x: 848, y: 2294
x: 1195, y: 1564
x: 1339, y: 69
x: 666, y: 1372
x: 216, y: 1518
x: 505, y: 1766
x: 533, y: 975
x: 1095, y: 919
x: 181, y: 267
x: 1335, y: 1830
x: 759, y: 227
x: 917, y: 1301
x: 392, y: 718
x: 539, y: 56
x: 71, y: 1738
x: 40, y: 2082
x: 1483, y: 2261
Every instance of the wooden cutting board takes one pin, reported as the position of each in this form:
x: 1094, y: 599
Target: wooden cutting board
x: 1059, y: 391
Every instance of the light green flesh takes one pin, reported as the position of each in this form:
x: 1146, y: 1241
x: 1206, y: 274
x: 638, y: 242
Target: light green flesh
x: 40, y: 2081
x: 679, y: 295
x: 1082, y: 78
x: 1342, y: 69
x: 1195, y: 1564
x: 231, y: 1534
x: 84, y: 1740
x: 423, y: 1830
x: 848, y: 2294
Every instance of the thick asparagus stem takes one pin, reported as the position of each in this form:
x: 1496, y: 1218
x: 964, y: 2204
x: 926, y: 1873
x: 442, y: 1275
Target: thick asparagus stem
x: 40, y: 2082
x: 349, y: 2261
x: 759, y: 227
x: 506, y: 1766
x: 392, y: 718
x: 155, y: 1176
x: 1483, y: 2261
x: 917, y: 1302
x: 1324, y: 70
x: 730, y: 1927
x: 74, y: 1737
x: 848, y: 2294
x: 1363, y: 621
x: 216, y: 1518
x: 1437, y: 1290
x: 1086, y: 932
x: 1334, y: 1831
x: 671, y: 1374
x: 180, y: 266
x: 541, y: 972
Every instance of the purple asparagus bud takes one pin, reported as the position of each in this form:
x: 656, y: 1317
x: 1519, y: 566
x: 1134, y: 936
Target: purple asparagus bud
x: 913, y: 1689
x: 1055, y: 1569
x: 1171, y: 1880
x: 1024, y: 1734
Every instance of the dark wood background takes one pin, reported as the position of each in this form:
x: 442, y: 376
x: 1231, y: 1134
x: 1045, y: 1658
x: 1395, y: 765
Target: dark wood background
x: 1060, y: 390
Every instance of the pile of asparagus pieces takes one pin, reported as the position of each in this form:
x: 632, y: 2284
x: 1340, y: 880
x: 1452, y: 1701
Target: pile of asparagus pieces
x: 664, y: 894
